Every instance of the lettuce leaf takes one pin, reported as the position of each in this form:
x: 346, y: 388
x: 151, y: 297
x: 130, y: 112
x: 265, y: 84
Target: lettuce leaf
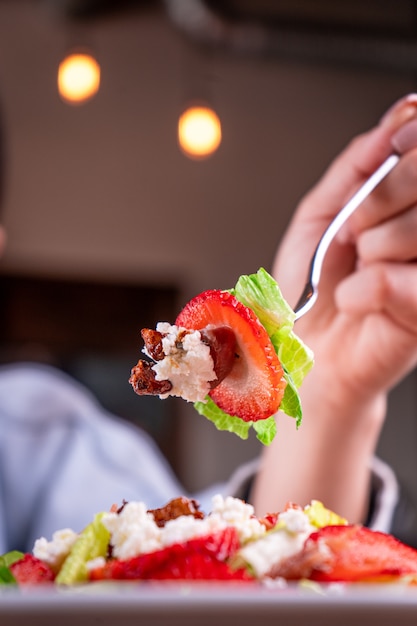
x: 7, y: 559
x: 91, y: 543
x: 265, y: 429
x: 320, y: 517
x: 261, y: 293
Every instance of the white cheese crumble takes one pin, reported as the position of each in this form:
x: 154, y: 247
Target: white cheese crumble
x: 296, y: 521
x: 278, y: 544
x: 55, y: 551
x: 238, y: 514
x: 96, y: 563
x: 134, y: 531
x: 187, y: 527
x: 187, y: 364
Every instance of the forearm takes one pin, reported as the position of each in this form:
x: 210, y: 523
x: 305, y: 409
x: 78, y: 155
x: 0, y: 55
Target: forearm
x: 326, y: 459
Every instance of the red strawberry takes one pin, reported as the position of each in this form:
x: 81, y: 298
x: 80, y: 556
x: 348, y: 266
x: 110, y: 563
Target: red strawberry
x: 358, y: 553
x: 202, y: 558
x: 254, y: 388
x: 31, y: 571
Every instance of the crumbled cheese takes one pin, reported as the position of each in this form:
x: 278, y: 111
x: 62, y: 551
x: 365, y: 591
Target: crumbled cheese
x: 296, y: 521
x: 239, y: 514
x: 133, y: 531
x: 96, y: 563
x: 285, y: 540
x: 261, y: 555
x: 55, y: 551
x: 187, y: 527
x: 187, y: 364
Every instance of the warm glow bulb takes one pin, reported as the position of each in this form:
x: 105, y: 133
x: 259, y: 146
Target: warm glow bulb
x: 78, y: 78
x: 199, y: 132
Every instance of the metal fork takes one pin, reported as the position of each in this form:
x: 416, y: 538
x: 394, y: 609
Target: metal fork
x: 310, y: 293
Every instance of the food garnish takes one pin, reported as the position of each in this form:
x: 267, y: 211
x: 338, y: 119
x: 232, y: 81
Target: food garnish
x: 233, y: 353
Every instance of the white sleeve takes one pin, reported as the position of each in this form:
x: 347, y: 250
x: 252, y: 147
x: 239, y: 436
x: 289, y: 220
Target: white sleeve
x: 387, y: 493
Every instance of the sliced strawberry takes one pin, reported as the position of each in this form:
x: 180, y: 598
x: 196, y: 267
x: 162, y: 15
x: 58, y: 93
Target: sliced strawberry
x: 254, y: 388
x: 31, y: 571
x: 358, y: 554
x: 203, y: 558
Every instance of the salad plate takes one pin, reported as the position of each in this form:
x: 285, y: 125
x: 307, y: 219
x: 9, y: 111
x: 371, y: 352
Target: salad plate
x: 182, y: 604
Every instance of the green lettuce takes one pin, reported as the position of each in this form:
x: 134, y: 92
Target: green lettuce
x: 261, y: 293
x: 90, y: 544
x: 265, y: 429
x: 6, y: 576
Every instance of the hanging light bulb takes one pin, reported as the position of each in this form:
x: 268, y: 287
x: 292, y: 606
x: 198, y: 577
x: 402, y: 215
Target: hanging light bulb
x: 199, y: 131
x: 78, y: 77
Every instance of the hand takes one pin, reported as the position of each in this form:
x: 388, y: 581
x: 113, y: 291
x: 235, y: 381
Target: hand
x: 362, y: 329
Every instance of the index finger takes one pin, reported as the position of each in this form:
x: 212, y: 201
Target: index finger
x: 357, y: 162
x: 398, y: 191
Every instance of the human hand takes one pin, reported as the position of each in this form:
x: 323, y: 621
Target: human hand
x: 363, y: 328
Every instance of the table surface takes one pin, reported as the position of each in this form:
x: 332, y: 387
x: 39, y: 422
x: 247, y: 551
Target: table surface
x: 202, y: 604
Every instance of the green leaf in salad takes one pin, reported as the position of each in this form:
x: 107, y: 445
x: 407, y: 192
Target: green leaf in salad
x: 320, y: 516
x: 91, y: 543
x: 291, y: 403
x: 7, y: 559
x: 260, y: 292
x: 6, y: 576
x: 265, y: 429
x: 222, y: 420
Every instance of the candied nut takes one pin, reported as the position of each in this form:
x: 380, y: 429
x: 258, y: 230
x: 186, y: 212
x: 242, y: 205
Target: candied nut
x: 153, y: 343
x: 176, y: 508
x: 144, y: 382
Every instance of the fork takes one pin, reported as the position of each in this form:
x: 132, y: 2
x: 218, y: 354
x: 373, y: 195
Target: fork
x: 310, y: 293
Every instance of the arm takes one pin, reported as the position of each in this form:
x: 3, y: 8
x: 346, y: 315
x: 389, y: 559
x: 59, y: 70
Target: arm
x: 363, y: 329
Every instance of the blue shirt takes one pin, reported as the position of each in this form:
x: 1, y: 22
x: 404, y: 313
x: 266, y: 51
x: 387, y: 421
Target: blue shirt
x: 63, y: 458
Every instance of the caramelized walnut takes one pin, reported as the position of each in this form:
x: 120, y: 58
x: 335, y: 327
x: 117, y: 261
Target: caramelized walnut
x: 176, y: 508
x: 143, y: 380
x: 153, y: 343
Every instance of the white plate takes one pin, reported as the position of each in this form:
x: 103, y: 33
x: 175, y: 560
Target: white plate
x: 183, y: 604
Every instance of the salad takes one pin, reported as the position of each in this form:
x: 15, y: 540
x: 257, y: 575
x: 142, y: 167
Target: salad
x: 234, y: 354
x: 180, y: 542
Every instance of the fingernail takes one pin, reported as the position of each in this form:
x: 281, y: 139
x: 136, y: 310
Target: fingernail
x: 405, y: 138
x: 401, y: 111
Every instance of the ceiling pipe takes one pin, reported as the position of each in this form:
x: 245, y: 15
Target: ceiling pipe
x: 356, y: 49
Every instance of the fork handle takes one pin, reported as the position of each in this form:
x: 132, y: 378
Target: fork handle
x: 344, y: 214
x: 309, y: 294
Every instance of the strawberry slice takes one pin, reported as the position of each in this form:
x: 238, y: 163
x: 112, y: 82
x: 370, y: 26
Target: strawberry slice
x: 203, y: 558
x: 254, y: 387
x: 359, y: 554
x: 31, y: 571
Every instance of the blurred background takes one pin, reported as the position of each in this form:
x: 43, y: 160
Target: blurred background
x: 111, y: 226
